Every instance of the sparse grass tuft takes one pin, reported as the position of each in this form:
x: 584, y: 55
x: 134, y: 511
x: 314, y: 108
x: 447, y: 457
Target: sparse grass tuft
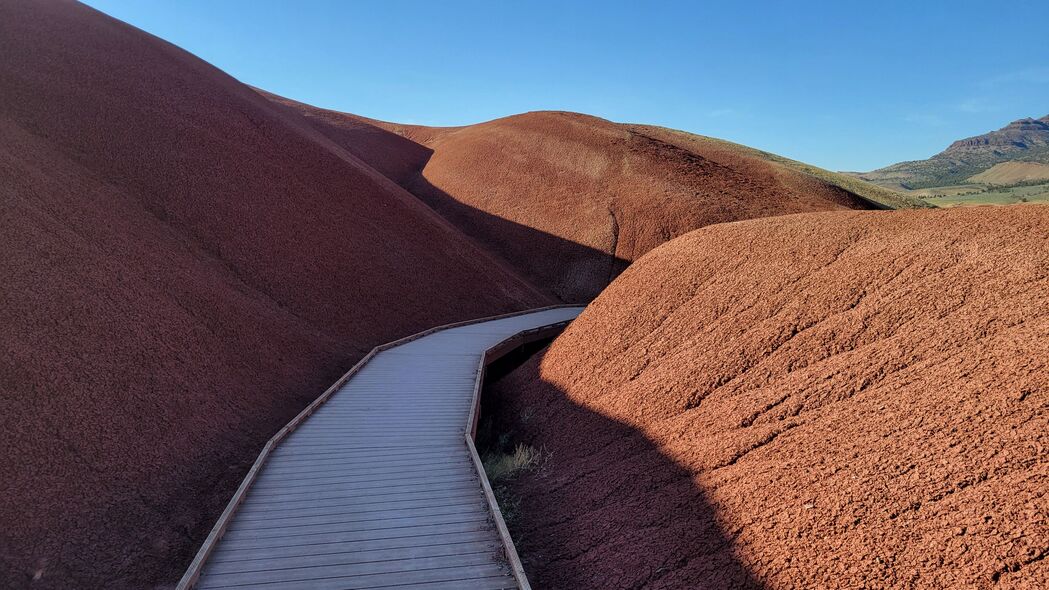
x: 501, y: 466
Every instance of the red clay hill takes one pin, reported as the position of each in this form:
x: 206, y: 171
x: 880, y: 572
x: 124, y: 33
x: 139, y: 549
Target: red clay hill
x: 183, y: 266
x: 185, y: 262
x: 835, y: 400
x: 569, y: 199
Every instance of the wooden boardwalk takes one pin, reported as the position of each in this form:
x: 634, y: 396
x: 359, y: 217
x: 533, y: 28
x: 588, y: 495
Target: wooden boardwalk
x: 379, y: 487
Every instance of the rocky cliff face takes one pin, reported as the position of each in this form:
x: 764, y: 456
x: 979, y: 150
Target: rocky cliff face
x: 1025, y: 140
x: 1024, y: 134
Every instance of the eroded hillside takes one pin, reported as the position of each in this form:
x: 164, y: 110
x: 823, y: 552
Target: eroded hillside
x: 569, y: 199
x: 824, y: 400
x: 183, y: 267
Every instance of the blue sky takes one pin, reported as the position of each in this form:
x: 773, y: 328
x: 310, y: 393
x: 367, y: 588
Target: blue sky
x: 846, y: 85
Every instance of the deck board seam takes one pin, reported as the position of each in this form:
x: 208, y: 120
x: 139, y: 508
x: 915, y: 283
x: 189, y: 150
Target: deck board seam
x: 346, y: 455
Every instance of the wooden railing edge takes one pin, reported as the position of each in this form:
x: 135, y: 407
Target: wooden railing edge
x: 490, y: 355
x: 509, y: 549
x: 192, y: 574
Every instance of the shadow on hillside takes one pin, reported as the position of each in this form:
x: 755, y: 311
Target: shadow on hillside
x: 605, y: 508
x: 572, y: 272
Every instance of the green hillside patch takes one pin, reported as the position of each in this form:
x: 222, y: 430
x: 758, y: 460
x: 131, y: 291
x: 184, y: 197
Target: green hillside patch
x: 1007, y: 173
x: 881, y: 197
x: 994, y: 195
x: 1017, y: 152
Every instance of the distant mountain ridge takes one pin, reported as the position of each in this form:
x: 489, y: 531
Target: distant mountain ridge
x: 1024, y: 140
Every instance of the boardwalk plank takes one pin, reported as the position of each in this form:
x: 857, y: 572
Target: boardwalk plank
x: 351, y: 526
x: 289, y: 525
x: 391, y: 569
x: 477, y: 523
x: 362, y: 505
x: 376, y: 489
x: 226, y: 555
x: 443, y: 548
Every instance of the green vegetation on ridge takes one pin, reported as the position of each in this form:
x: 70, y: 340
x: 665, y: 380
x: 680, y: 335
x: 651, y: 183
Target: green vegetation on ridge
x: 1025, y: 142
x: 882, y: 197
x: 987, y: 194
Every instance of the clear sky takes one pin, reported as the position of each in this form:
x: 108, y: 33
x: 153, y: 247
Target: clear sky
x: 847, y: 85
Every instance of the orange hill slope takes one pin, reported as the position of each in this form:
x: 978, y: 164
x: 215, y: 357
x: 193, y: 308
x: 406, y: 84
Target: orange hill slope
x: 571, y: 199
x: 832, y: 400
x: 184, y: 266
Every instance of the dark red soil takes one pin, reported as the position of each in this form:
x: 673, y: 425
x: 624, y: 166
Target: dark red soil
x: 183, y: 266
x: 846, y: 400
x: 823, y: 400
x: 571, y: 199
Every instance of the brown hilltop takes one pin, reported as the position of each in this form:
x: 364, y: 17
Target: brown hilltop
x: 571, y: 199
x: 183, y: 266
x: 846, y: 400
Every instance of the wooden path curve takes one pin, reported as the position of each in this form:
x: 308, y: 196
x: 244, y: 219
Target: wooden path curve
x: 377, y: 484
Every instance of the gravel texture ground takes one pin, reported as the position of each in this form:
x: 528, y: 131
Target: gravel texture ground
x: 833, y: 400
